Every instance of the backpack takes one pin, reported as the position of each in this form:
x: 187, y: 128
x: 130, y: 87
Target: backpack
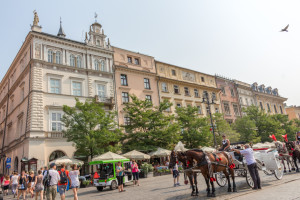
x: 46, y: 179
x: 63, y: 177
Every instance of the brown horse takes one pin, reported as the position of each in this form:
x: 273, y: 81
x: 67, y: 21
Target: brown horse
x: 291, y: 146
x: 180, y: 156
x: 219, y: 162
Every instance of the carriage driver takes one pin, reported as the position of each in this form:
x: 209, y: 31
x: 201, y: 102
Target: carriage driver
x: 298, y: 138
x: 251, y: 164
x: 225, y: 144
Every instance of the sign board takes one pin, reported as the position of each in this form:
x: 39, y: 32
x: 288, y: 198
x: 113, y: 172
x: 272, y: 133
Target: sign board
x: 8, y: 166
x: 8, y: 160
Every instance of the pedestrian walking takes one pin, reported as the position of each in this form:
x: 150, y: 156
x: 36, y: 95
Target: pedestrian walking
x: 251, y: 164
x: 6, y: 183
x: 30, y: 185
x: 74, y: 176
x: 63, y: 183
x: 14, y: 184
x: 22, y: 181
x: 52, y: 177
x: 120, y: 175
x: 175, y: 174
x: 39, y: 187
x: 135, y: 173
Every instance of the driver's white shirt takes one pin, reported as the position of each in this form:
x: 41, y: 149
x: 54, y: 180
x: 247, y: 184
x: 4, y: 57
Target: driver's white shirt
x: 249, y: 155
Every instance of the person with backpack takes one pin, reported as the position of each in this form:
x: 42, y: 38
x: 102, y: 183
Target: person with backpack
x: 51, y: 179
x: 63, y: 183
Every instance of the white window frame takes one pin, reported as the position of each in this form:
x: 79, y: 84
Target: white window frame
x: 49, y: 84
x: 105, y: 89
x: 58, y: 55
x: 77, y: 81
x: 72, y: 60
x: 199, y: 109
x: 96, y: 65
x: 164, y: 87
x: 102, y: 65
x: 50, y: 120
x: 50, y: 56
x: 79, y: 61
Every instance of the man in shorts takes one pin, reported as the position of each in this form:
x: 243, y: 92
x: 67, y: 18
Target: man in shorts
x: 175, y: 173
x: 63, y: 183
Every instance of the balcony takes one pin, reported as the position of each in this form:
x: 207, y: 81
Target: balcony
x: 105, y: 100
x: 54, y: 135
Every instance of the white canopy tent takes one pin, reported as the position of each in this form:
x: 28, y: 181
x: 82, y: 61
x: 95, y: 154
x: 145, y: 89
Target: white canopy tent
x: 108, y: 156
x: 66, y: 160
x: 136, y: 155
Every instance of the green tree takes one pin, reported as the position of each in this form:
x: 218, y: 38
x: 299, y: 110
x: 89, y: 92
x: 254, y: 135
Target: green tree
x: 285, y: 126
x: 92, y: 129
x: 247, y: 129
x: 149, y: 126
x: 194, y: 130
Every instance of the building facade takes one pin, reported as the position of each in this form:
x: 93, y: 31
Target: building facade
x: 48, y: 72
x: 184, y: 87
x: 229, y: 99
x: 293, y: 112
x: 135, y: 74
x: 268, y: 99
x: 245, y: 95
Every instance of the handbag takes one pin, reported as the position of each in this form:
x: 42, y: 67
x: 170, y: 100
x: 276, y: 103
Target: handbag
x: 22, y: 187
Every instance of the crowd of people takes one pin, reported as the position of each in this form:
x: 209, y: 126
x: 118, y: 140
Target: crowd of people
x: 43, y: 185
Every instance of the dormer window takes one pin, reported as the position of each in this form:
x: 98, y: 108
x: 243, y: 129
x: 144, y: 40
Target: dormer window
x: 136, y: 61
x: 78, y: 61
x: 58, y: 57
x: 72, y: 60
x: 129, y: 59
x: 50, y: 56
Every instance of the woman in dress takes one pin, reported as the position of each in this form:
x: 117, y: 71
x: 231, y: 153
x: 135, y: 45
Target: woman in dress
x: 120, y: 175
x: 135, y: 173
x: 22, y: 185
x: 74, y: 176
x: 30, y: 180
x: 39, y: 187
x: 6, y: 182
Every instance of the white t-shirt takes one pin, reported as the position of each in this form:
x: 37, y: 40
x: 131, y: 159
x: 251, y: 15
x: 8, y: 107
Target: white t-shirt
x: 249, y: 156
x: 74, y: 177
x: 14, y: 180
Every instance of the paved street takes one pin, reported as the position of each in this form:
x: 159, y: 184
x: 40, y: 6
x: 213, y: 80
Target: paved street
x: 162, y: 188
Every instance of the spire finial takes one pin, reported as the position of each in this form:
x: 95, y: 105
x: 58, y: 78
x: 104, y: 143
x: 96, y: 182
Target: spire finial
x: 61, y: 32
x: 35, y: 19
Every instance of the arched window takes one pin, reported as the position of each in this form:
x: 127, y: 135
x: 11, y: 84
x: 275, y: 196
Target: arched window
x: 58, y: 57
x: 72, y: 60
x: 56, y: 154
x: 79, y: 61
x: 96, y: 65
x: 50, y: 56
x: 16, y: 164
x: 98, y: 42
x: 102, y: 65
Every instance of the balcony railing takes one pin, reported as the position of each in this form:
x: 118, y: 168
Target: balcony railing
x: 107, y: 100
x: 54, y: 135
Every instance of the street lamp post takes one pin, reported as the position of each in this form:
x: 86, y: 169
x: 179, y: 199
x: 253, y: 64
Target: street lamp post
x: 206, y: 100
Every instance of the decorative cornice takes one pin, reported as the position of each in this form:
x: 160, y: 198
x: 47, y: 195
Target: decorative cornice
x: 122, y: 68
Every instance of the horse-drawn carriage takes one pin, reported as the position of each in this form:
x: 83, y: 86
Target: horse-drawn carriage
x: 266, y: 160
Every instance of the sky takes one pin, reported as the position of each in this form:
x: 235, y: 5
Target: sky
x: 233, y: 38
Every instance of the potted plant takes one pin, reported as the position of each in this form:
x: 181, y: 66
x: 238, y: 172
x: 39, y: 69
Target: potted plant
x: 85, y: 183
x: 145, y: 169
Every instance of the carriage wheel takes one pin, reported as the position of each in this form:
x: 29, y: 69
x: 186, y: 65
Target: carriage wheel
x: 221, y: 179
x: 279, y: 172
x: 249, y: 180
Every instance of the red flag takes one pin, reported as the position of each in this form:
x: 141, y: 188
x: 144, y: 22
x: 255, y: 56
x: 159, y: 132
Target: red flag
x: 285, y: 137
x: 273, y: 137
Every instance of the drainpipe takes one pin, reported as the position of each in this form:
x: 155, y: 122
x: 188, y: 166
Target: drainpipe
x: 157, y: 82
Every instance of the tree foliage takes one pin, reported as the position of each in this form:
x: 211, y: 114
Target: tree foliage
x: 149, y: 126
x: 92, y: 129
x: 194, y: 129
x: 247, y: 129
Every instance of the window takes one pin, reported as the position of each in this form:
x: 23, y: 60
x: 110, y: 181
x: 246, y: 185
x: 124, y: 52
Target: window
x: 129, y: 59
x: 207, y: 110
x: 136, y: 61
x: 202, y: 79
x: 164, y: 87
x: 251, y: 101
x: 20, y: 127
x: 186, y: 91
x: 148, y: 98
x: 247, y: 103
x: 58, y: 57
x: 196, y: 92
x: 199, y: 110
x: 173, y: 72
x: 126, y: 120
x: 176, y: 89
x: 12, y: 103
x: 147, y: 83
x: 72, y: 60
x: 227, y: 109
x: 101, y: 90
x: 281, y: 111
x: 236, y: 110
x: 98, y: 42
x: 56, y: 124
x: 78, y: 61
x: 54, y: 86
x: 205, y: 94
x: 96, y: 63
x: 213, y: 96
x: 124, y: 80
x: 168, y: 109
x: 125, y: 97
x: 261, y: 106
x: 241, y: 101
x: 102, y: 63
x: 217, y: 110
x: 76, y: 88
x: 50, y: 56
x: 178, y: 105
x: 232, y: 92
x: 269, y: 109
x: 223, y: 90
x: 275, y: 109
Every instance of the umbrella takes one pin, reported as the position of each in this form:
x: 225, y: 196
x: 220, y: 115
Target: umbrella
x: 109, y: 156
x: 180, y: 147
x: 160, y: 153
x: 66, y: 160
x: 136, y: 155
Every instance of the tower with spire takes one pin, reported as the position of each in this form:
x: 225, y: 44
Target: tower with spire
x: 61, y: 32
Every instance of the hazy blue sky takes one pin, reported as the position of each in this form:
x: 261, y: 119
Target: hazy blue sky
x: 237, y: 39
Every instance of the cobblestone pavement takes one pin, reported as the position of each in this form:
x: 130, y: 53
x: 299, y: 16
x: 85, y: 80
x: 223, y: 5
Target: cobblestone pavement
x: 162, y: 188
